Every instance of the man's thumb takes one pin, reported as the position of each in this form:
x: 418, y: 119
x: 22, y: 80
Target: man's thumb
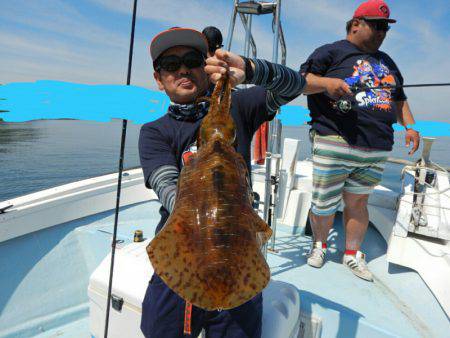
x: 222, y: 54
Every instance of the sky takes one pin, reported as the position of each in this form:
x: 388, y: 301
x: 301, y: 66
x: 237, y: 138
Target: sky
x: 87, y: 41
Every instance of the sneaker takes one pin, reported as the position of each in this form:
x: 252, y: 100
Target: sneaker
x: 316, y: 256
x: 357, y: 264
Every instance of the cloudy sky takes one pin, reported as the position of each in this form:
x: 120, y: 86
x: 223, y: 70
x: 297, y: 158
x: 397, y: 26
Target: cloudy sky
x: 86, y: 41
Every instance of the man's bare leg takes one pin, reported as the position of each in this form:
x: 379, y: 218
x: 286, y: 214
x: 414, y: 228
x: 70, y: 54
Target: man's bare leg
x: 321, y: 226
x: 356, y: 219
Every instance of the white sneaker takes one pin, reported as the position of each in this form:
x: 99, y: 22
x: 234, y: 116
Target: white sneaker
x: 357, y: 264
x: 316, y: 256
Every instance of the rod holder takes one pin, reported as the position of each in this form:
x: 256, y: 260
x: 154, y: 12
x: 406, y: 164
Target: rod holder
x: 426, y: 151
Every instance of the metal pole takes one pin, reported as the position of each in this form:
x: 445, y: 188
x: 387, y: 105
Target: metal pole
x: 231, y: 26
x: 275, y: 180
x: 426, y: 150
x: 268, y: 186
x: 275, y: 59
x: 419, y: 186
x: 119, y: 183
x: 283, y: 46
x: 248, y: 35
x: 272, y: 141
x: 279, y: 131
x: 252, y: 41
x: 277, y: 32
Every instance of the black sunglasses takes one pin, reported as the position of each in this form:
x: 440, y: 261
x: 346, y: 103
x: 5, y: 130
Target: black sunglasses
x: 379, y: 25
x: 172, y: 63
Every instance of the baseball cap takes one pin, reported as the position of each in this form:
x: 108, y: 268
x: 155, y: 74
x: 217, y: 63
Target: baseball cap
x: 373, y: 10
x: 177, y: 36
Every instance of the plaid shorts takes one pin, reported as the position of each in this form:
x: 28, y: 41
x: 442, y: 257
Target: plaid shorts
x: 337, y: 166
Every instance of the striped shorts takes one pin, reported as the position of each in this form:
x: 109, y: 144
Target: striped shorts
x: 337, y: 166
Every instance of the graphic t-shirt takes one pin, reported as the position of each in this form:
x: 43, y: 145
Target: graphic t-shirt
x: 369, y: 123
x: 168, y: 141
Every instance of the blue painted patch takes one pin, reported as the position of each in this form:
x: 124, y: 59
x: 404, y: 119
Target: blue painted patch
x: 294, y: 115
x: 56, y: 100
x: 428, y: 128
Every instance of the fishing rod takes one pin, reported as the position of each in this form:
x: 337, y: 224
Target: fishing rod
x: 361, y: 88
x: 345, y: 104
x: 119, y: 180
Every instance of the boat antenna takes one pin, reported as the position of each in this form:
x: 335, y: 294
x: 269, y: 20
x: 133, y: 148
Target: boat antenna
x: 119, y: 180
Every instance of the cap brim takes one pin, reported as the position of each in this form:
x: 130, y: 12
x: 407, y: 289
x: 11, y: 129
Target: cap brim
x: 178, y: 37
x: 379, y: 18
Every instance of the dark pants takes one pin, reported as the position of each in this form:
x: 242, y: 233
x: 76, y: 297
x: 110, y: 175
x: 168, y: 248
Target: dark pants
x: 163, y: 316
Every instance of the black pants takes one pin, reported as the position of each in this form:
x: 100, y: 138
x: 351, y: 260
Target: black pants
x: 163, y: 316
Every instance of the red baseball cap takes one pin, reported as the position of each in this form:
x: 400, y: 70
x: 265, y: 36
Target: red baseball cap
x: 373, y: 10
x: 178, y: 36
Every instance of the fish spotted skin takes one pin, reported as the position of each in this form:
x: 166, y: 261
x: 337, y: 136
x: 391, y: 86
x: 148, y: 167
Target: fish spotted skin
x: 209, y: 250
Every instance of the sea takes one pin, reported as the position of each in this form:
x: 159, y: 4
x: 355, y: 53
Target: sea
x: 46, y: 153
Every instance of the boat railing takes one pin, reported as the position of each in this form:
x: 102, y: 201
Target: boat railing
x: 410, y: 164
x: 246, y: 10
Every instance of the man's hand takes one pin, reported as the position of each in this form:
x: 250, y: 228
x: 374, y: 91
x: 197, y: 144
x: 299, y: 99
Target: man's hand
x: 336, y: 88
x: 224, y: 62
x: 412, y: 135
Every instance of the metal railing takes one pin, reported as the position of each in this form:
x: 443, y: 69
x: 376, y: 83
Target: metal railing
x: 406, y: 162
x: 246, y: 10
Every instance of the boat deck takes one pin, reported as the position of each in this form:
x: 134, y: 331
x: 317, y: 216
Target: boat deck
x: 50, y: 277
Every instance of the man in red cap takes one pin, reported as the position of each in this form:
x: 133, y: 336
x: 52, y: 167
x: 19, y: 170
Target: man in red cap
x: 351, y: 128
x: 165, y: 145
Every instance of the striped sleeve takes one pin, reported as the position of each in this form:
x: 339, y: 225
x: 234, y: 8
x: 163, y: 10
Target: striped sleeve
x: 163, y: 181
x: 282, y: 83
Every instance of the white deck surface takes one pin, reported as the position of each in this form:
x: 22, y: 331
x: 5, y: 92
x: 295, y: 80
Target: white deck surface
x: 397, y: 304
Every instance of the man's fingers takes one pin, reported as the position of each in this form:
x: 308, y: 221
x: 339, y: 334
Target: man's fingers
x: 215, y: 77
x: 407, y: 140
x: 213, y: 61
x: 339, y: 92
x: 347, y: 89
x: 416, y: 142
x: 222, y: 54
x: 339, y: 88
x: 215, y: 69
x: 415, y: 138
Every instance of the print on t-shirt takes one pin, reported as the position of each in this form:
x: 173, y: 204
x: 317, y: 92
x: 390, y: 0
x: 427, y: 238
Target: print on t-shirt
x: 368, y: 74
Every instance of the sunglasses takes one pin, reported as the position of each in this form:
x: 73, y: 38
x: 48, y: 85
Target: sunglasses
x: 379, y: 25
x: 172, y: 63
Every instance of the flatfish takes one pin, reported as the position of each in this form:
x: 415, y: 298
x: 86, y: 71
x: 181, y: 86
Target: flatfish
x: 209, y: 250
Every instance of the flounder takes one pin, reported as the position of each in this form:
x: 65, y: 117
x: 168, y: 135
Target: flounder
x: 209, y: 250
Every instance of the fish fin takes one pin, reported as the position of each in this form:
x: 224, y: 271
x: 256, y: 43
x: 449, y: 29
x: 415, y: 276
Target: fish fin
x: 203, y: 278
x: 173, y: 258
x: 263, y: 231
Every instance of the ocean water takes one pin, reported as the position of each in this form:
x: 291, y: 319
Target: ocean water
x: 42, y: 154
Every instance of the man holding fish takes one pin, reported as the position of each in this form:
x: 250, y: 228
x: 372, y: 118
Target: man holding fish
x: 167, y: 144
